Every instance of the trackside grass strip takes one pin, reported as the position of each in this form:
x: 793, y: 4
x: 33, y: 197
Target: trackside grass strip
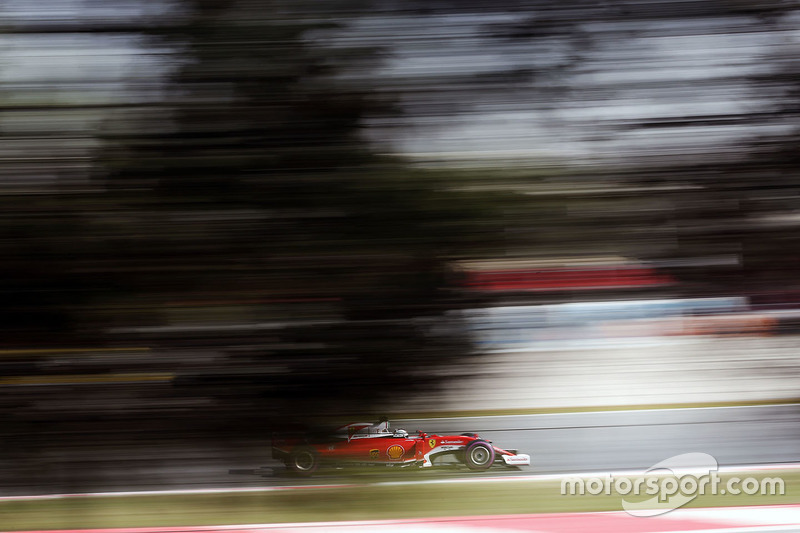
x: 360, y: 502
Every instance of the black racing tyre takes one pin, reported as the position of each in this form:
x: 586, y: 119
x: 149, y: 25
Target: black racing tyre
x: 303, y: 461
x: 479, y: 455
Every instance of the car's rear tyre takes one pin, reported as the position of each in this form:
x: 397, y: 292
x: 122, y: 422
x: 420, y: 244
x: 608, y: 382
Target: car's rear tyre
x: 303, y: 461
x: 479, y: 455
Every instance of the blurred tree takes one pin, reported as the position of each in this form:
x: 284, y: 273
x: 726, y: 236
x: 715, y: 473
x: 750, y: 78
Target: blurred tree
x: 248, y: 175
x: 255, y: 177
x: 38, y: 287
x: 747, y: 202
x: 731, y: 213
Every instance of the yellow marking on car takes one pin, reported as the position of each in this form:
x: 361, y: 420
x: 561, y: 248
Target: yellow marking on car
x: 395, y: 452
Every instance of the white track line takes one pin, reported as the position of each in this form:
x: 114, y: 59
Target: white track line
x: 753, y: 529
x: 176, y: 492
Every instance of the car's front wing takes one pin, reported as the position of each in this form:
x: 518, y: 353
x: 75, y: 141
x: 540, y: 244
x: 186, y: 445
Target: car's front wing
x: 520, y: 459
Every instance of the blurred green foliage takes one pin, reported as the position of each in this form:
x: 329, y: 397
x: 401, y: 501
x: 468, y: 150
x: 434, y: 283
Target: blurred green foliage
x: 245, y: 188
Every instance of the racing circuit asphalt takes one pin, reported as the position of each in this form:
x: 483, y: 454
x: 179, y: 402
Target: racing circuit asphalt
x: 623, y: 440
x: 557, y: 443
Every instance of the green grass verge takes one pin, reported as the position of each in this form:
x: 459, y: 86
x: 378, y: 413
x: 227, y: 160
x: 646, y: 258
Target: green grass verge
x: 362, y: 502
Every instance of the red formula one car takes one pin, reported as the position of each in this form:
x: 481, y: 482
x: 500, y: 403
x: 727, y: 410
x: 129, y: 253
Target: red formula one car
x: 365, y: 443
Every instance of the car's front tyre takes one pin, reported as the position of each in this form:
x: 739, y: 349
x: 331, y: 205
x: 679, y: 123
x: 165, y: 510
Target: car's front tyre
x: 479, y: 456
x: 303, y: 461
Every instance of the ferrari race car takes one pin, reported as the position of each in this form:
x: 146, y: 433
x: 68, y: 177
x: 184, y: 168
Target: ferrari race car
x: 365, y: 443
